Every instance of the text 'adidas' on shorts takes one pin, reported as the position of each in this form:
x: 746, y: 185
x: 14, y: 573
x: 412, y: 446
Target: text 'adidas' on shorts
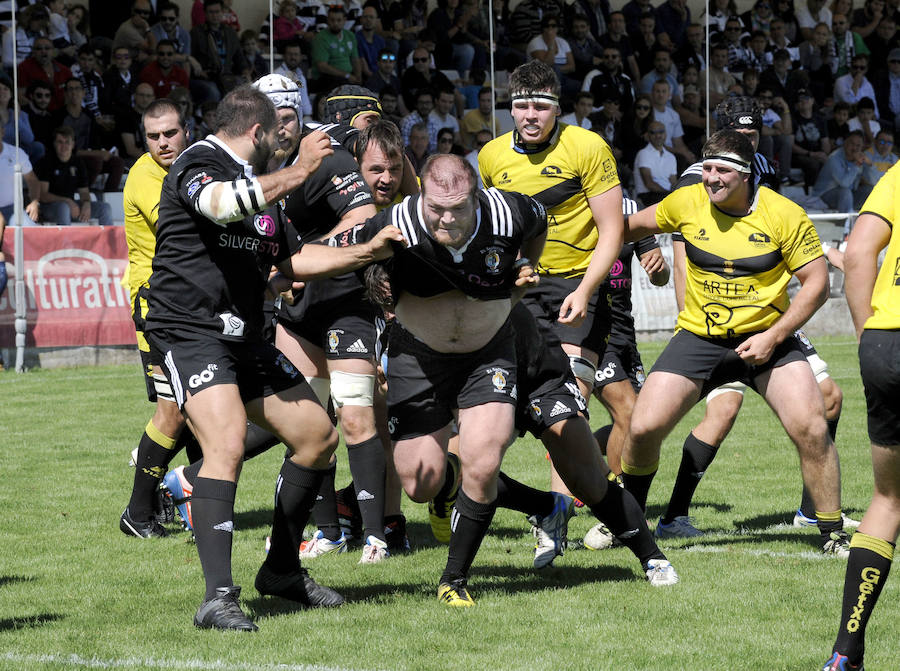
x: 343, y: 329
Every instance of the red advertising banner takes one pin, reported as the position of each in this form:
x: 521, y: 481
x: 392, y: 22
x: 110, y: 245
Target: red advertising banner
x: 73, y: 287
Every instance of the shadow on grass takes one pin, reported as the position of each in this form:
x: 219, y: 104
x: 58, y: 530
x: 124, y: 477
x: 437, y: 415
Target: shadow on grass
x: 502, y: 581
x: 253, y: 519
x: 11, y: 579
x: 29, y: 621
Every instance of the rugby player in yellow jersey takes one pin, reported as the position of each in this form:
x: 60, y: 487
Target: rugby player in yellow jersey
x: 166, y: 138
x: 572, y: 172
x: 874, y: 299
x: 737, y: 322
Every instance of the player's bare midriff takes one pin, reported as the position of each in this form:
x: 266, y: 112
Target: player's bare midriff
x: 452, y: 322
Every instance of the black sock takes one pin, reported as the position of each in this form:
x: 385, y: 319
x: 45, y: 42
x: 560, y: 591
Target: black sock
x: 369, y: 469
x: 451, y: 477
x: 696, y: 456
x: 470, y: 523
x: 324, y: 511
x: 639, y: 485
x: 191, y: 446
x: 829, y: 523
x: 832, y: 427
x: 154, y: 453
x: 620, y: 512
x: 212, y: 510
x: 867, y: 571
x: 192, y: 471
x: 295, y: 494
x: 807, y: 507
x: 258, y: 440
x: 515, y: 495
x: 601, y: 435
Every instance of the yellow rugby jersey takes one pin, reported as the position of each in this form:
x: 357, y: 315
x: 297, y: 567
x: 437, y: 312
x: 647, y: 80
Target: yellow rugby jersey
x: 738, y: 268
x: 577, y: 165
x: 140, y: 201
x: 883, y: 203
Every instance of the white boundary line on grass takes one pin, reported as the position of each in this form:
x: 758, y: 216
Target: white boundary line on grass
x: 152, y: 663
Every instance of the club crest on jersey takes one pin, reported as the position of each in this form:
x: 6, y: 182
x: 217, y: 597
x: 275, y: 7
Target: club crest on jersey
x: 492, y: 259
x: 286, y: 365
x: 264, y: 225
x: 535, y: 409
x: 551, y: 171
x: 333, y: 340
x: 498, y: 378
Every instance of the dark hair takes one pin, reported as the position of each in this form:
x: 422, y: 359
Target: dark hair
x: 383, y: 134
x: 534, y: 76
x: 207, y: 3
x: 865, y: 103
x: 334, y: 9
x: 242, y: 108
x: 730, y: 141
x: 169, y: 5
x: 167, y: 43
x: 86, y: 49
x: 162, y: 106
x: 460, y: 169
x: 66, y: 131
x: 35, y: 85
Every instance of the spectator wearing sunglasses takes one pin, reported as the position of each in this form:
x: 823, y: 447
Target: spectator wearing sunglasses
x: 385, y: 74
x: 881, y: 156
x: 135, y: 33
x: 37, y: 107
x: 854, y: 86
x: 168, y: 28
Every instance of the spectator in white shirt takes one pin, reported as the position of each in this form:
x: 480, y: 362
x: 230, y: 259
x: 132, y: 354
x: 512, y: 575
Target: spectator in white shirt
x: 584, y: 105
x: 655, y: 167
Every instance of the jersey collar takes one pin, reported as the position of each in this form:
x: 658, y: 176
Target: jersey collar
x: 524, y: 148
x: 457, y: 254
x: 248, y: 169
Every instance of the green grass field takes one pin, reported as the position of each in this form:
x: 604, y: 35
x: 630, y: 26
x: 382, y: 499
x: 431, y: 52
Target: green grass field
x: 754, y: 594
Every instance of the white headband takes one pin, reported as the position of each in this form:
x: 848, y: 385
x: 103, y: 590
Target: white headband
x: 728, y: 160
x: 536, y: 97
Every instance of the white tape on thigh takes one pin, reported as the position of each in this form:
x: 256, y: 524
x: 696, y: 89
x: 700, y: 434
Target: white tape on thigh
x: 321, y: 387
x: 819, y: 366
x: 163, y: 388
x: 352, y: 389
x: 729, y: 388
x: 583, y: 369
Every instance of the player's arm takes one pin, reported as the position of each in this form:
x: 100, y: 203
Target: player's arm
x: 654, y: 264
x: 813, y: 277
x: 606, y: 209
x: 526, y: 277
x: 315, y: 261
x: 641, y: 224
x: 869, y: 236
x: 224, y: 202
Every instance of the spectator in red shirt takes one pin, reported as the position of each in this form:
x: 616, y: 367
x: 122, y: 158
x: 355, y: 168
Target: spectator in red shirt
x: 40, y: 66
x: 163, y: 74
